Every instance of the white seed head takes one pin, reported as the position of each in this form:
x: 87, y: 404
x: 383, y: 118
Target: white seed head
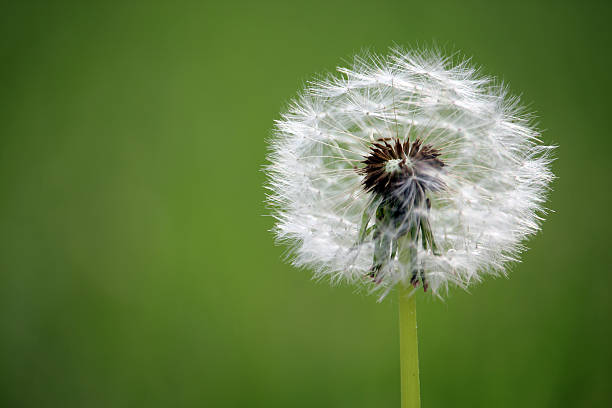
x: 406, y: 169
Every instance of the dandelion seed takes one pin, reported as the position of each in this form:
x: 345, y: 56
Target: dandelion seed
x: 406, y: 169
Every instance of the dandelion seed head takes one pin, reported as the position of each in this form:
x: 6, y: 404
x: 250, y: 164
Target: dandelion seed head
x: 408, y: 169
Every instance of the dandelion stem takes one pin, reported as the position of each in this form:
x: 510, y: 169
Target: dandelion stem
x: 409, y: 349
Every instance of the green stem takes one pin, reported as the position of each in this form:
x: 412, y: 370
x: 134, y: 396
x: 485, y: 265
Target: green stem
x: 409, y: 349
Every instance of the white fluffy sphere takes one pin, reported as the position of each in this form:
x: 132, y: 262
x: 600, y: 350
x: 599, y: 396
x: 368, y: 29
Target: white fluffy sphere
x: 467, y: 216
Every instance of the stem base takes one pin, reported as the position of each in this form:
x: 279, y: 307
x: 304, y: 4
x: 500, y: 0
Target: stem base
x: 409, y: 349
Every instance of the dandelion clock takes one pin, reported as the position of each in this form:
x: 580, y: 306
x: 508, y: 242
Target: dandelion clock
x: 406, y: 172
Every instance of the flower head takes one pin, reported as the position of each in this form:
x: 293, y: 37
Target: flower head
x: 406, y: 169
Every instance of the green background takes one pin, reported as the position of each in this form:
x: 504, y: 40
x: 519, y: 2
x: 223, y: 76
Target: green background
x: 136, y: 266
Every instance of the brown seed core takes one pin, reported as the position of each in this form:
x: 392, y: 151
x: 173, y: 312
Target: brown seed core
x: 396, y: 169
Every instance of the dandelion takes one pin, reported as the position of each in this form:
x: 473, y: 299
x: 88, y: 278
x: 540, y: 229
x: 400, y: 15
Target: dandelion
x: 407, y: 171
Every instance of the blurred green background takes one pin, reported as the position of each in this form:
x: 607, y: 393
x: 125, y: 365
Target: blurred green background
x: 136, y: 266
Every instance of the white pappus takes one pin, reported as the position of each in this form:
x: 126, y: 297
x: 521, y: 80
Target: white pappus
x: 409, y: 169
